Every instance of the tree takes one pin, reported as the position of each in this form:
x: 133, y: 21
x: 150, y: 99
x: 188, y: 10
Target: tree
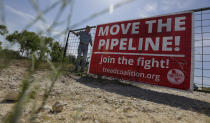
x: 0, y: 46
x: 72, y: 59
x: 44, y: 48
x: 3, y: 30
x: 56, y: 53
x: 28, y: 41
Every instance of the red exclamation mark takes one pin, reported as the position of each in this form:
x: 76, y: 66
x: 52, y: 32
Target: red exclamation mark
x: 177, y: 43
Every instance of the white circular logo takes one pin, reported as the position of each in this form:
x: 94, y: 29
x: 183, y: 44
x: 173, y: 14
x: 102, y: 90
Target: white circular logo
x: 175, y: 76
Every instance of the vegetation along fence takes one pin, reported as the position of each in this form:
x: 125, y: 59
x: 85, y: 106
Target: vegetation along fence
x: 201, y: 48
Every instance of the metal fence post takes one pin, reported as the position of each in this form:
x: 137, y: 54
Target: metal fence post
x: 202, y: 47
x: 66, y: 46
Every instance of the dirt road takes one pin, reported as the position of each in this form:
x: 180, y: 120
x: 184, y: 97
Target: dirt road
x: 92, y: 100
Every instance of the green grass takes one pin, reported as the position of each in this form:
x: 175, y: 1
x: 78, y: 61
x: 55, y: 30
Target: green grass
x: 6, y: 57
x: 3, y: 64
x: 206, y: 89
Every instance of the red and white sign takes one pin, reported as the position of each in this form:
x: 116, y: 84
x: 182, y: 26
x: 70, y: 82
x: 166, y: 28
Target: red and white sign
x: 155, y: 50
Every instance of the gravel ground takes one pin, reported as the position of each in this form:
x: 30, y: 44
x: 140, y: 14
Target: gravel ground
x: 91, y: 100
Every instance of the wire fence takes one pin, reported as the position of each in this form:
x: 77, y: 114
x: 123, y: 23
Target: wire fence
x: 74, y: 43
x: 201, y: 48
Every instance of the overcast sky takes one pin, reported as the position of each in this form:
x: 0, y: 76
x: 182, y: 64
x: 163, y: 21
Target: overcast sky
x: 19, y: 13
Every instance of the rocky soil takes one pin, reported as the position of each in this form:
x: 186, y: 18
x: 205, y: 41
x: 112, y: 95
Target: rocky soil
x: 89, y: 100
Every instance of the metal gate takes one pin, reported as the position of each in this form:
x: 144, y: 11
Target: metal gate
x: 201, y: 48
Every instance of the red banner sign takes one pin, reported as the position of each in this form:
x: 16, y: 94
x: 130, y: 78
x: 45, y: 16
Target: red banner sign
x: 154, y: 50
